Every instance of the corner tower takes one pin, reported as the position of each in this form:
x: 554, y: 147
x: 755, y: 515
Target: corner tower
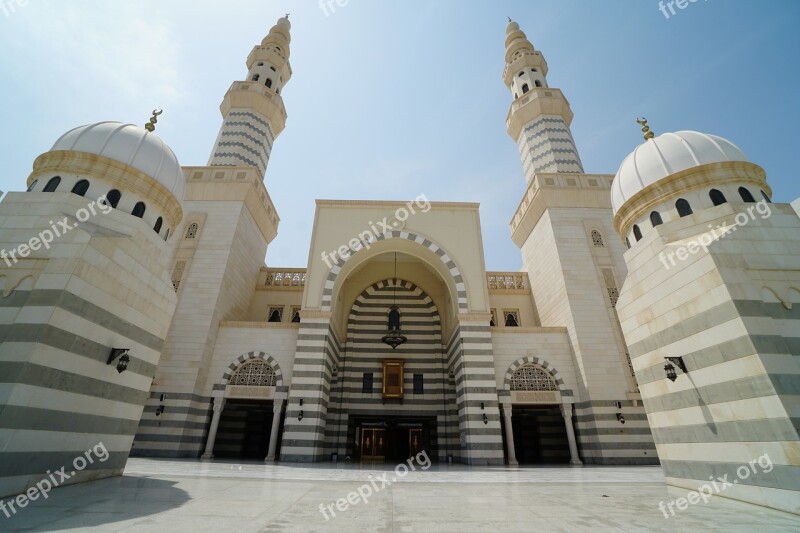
x: 563, y: 228
x: 253, y: 110
x: 87, y: 272
x: 230, y: 221
x: 540, y: 116
x: 711, y: 312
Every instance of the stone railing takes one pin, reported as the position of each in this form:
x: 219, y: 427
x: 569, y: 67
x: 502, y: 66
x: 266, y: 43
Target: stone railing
x: 285, y: 277
x: 506, y: 281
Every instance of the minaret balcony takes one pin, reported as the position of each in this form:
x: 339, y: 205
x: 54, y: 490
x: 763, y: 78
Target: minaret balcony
x: 259, y: 97
x: 535, y: 103
x: 524, y: 59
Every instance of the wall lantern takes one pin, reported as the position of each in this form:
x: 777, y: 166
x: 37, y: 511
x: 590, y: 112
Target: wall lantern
x: 670, y: 369
x: 124, y: 358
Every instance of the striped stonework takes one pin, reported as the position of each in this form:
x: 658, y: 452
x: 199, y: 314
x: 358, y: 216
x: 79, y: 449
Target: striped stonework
x: 182, y: 430
x: 59, y: 320
x: 472, y: 362
x: 732, y: 314
x: 317, y: 352
x: 604, y: 440
x: 546, y: 146
x: 245, y: 139
x: 461, y: 289
x: 365, y: 353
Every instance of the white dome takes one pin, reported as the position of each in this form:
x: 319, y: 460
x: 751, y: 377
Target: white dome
x: 131, y: 145
x: 666, y: 155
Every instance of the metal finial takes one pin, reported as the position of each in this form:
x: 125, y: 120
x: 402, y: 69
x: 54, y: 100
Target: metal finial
x: 645, y: 129
x: 287, y: 16
x: 151, y: 126
x: 509, y: 19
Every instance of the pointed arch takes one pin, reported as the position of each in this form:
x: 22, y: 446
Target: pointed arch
x: 449, y: 264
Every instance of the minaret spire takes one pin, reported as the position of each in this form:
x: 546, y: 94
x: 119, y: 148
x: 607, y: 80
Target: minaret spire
x: 253, y: 110
x: 540, y: 116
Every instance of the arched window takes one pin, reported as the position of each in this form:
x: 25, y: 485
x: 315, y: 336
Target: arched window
x: 746, y: 196
x: 35, y: 182
x: 113, y: 197
x: 268, y: 83
x: 512, y: 319
x: 159, y: 223
x: 139, y: 209
x: 256, y: 77
x: 534, y: 70
x: 275, y: 315
x: 52, y: 185
x: 628, y: 243
x: 532, y: 378
x: 637, y: 233
x: 191, y: 231
x: 81, y: 188
x: 717, y: 197
x: 254, y: 373
x: 597, y: 238
x: 683, y: 207
x: 166, y: 235
x: 525, y: 88
x: 655, y: 219
x: 261, y: 64
x: 762, y: 194
x: 521, y: 74
x: 537, y: 83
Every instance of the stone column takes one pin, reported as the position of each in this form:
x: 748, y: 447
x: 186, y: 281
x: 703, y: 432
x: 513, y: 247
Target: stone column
x: 512, y: 454
x: 219, y: 405
x: 277, y: 410
x: 566, y: 411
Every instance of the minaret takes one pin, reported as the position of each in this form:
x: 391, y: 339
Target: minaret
x: 253, y: 110
x: 540, y: 116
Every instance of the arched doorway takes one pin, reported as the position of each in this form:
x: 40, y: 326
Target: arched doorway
x: 247, y: 411
x: 540, y: 436
x: 537, y: 415
x: 371, y: 424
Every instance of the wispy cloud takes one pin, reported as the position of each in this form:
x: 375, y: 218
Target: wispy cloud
x: 113, y: 48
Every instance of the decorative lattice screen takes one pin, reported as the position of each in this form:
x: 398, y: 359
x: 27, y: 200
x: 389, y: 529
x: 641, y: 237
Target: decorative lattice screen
x: 255, y: 373
x: 532, y: 378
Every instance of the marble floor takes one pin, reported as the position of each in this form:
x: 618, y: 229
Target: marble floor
x: 176, y: 496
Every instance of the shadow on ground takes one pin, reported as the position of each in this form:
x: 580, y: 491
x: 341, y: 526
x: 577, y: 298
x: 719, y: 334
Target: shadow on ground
x: 97, y: 503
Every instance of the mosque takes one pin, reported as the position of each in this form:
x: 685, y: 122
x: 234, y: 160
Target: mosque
x: 650, y: 322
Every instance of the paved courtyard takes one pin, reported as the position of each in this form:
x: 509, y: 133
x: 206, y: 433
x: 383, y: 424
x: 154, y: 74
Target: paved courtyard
x: 176, y: 496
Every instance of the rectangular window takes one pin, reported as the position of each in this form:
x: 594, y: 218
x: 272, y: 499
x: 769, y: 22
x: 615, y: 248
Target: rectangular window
x: 366, y: 383
x: 418, y: 384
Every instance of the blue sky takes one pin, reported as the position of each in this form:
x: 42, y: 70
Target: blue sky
x: 390, y: 100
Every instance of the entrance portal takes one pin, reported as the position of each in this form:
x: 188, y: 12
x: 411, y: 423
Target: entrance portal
x: 540, y: 436
x: 390, y: 439
x: 244, y: 430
